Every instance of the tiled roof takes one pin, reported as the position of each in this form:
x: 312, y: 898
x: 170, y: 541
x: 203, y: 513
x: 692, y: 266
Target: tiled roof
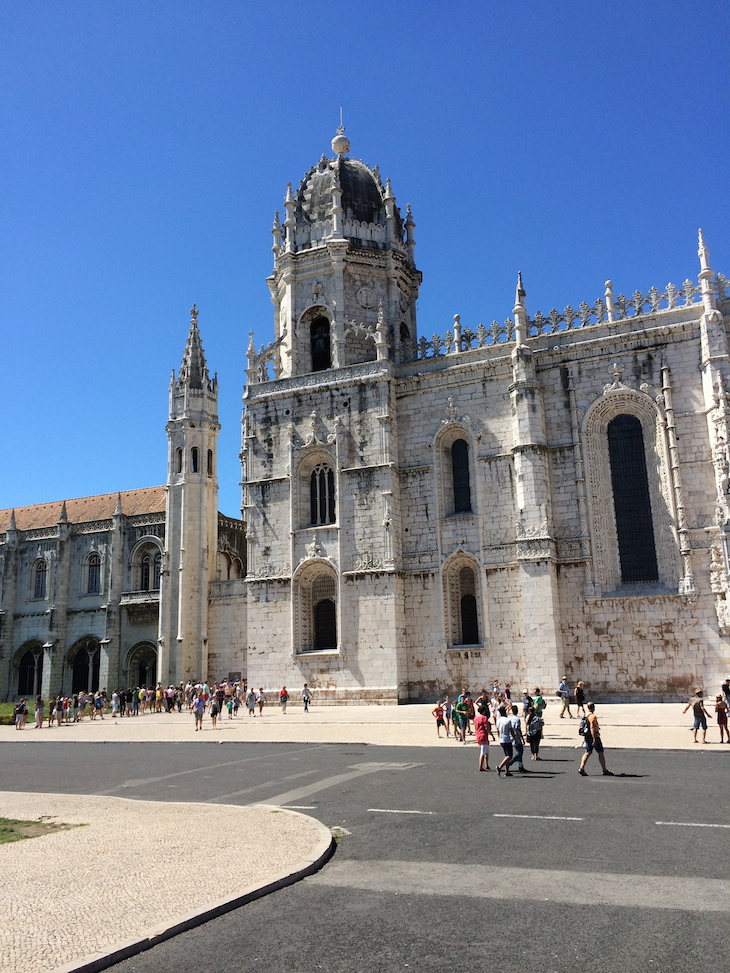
x: 149, y: 500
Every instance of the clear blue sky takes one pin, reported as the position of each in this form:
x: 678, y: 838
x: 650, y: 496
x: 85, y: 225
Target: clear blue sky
x: 146, y: 145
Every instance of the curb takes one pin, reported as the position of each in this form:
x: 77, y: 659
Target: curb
x: 102, y: 960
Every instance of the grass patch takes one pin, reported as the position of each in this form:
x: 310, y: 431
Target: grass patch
x: 12, y: 829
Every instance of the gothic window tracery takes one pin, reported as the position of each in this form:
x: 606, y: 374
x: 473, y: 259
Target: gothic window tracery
x: 85, y: 659
x: 146, y: 562
x: 315, y: 609
x: 30, y: 670
x: 322, y: 495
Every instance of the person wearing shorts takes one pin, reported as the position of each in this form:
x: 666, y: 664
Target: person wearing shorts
x: 592, y: 741
x: 700, y: 714
x: 482, y: 731
x: 438, y: 713
x: 504, y: 728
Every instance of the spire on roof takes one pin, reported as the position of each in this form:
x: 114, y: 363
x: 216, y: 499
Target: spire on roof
x: 193, y: 370
x: 63, y: 519
x: 118, y: 508
x: 11, y: 525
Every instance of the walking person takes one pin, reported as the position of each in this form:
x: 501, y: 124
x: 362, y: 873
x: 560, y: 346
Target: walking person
x: 483, y: 731
x: 283, y: 700
x: 591, y: 732
x: 447, y: 715
x: 438, y: 713
x: 214, y: 710
x: 563, y: 693
x: 518, y: 741
x: 538, y: 701
x: 721, y: 710
x: 306, y: 697
x: 700, y: 714
x: 39, y: 707
x: 504, y: 729
x: 534, y: 732
x: 198, y: 711
x: 580, y: 698
x: 251, y: 703
x: 261, y: 700
x: 460, y: 713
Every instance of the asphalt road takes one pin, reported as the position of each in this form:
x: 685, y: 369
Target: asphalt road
x: 441, y: 866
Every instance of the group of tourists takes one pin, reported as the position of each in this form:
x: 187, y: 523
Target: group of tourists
x: 489, y: 711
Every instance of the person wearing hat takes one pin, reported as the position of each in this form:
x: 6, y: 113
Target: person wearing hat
x: 700, y: 715
x: 563, y: 693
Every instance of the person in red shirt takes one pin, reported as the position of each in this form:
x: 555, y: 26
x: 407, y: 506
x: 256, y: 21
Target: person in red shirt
x: 438, y: 713
x: 483, y: 731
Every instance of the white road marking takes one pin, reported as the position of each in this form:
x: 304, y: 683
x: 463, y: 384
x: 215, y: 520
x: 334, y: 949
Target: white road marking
x: 691, y: 824
x: 300, y: 807
x: 356, y: 770
x: 685, y: 894
x: 392, y: 810
x: 223, y: 798
x: 538, y: 817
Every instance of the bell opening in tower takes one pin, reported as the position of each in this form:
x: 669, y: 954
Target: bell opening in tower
x: 320, y: 341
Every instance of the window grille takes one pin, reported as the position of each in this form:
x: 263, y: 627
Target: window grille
x: 322, y: 495
x: 39, y: 583
x: 94, y: 579
x: 632, y: 504
x: 324, y: 612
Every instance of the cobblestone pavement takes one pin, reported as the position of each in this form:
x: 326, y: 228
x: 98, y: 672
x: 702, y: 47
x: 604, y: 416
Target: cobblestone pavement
x: 652, y: 726
x: 135, y: 869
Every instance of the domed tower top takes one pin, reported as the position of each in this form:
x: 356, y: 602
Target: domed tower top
x: 345, y: 284
x: 343, y: 199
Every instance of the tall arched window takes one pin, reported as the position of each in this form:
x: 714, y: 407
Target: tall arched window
x: 324, y: 613
x: 319, y: 332
x: 210, y: 462
x: 178, y: 460
x: 93, y: 581
x: 40, y: 579
x: 468, y: 608
x: 460, y: 473
x: 322, y: 495
x: 194, y: 462
x: 157, y: 572
x: 145, y: 575
x: 631, y: 501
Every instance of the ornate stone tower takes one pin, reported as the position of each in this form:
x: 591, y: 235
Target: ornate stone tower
x: 344, y: 278
x: 192, y: 511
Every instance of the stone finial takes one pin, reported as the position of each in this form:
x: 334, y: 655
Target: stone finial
x: 63, y: 519
x: 520, y: 293
x: 703, y: 253
x: 520, y: 314
x: 388, y: 190
x: 194, y: 313
x: 610, y: 303
x: 11, y: 525
x: 340, y: 143
x: 276, y: 232
x: 118, y: 509
x: 289, y: 194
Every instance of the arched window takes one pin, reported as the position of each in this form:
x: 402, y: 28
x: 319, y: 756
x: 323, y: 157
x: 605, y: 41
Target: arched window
x: 315, y: 608
x: 30, y: 671
x: 93, y: 581
x: 460, y: 474
x: 194, y: 465
x: 468, y: 608
x: 324, y: 613
x: 319, y: 332
x: 40, y: 578
x: 210, y: 462
x: 322, y: 495
x: 631, y: 501
x: 157, y: 572
x: 145, y: 572
x: 178, y: 460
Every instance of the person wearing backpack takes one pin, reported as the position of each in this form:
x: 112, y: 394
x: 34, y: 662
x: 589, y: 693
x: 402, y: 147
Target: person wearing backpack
x: 591, y: 733
x: 534, y: 731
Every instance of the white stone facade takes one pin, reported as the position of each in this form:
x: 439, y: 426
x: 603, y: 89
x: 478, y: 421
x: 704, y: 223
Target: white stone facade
x: 542, y: 497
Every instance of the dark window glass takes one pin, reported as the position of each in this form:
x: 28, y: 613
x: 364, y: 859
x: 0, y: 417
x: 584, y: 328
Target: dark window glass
x: 144, y: 572
x: 320, y: 343
x: 469, y: 622
x: 325, y: 625
x: 194, y: 459
x: 30, y: 672
x: 460, y: 470
x: 39, y: 584
x: 210, y: 462
x: 322, y: 495
x: 178, y: 460
x: 94, y: 585
x: 157, y: 572
x: 636, y: 547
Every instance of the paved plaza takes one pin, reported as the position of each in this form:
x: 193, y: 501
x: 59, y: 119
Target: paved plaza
x: 131, y: 875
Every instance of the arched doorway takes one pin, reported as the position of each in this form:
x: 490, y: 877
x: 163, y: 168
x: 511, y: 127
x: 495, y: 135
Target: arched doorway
x: 141, y: 667
x: 30, y: 670
x: 85, y: 666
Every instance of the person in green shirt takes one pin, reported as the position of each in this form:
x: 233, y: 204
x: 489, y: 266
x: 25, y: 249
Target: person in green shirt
x: 461, y: 714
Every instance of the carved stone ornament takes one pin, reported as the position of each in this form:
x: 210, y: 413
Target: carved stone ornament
x: 314, y: 548
x: 317, y: 292
x: 452, y: 415
x: 366, y: 297
x: 366, y: 562
x: 617, y: 374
